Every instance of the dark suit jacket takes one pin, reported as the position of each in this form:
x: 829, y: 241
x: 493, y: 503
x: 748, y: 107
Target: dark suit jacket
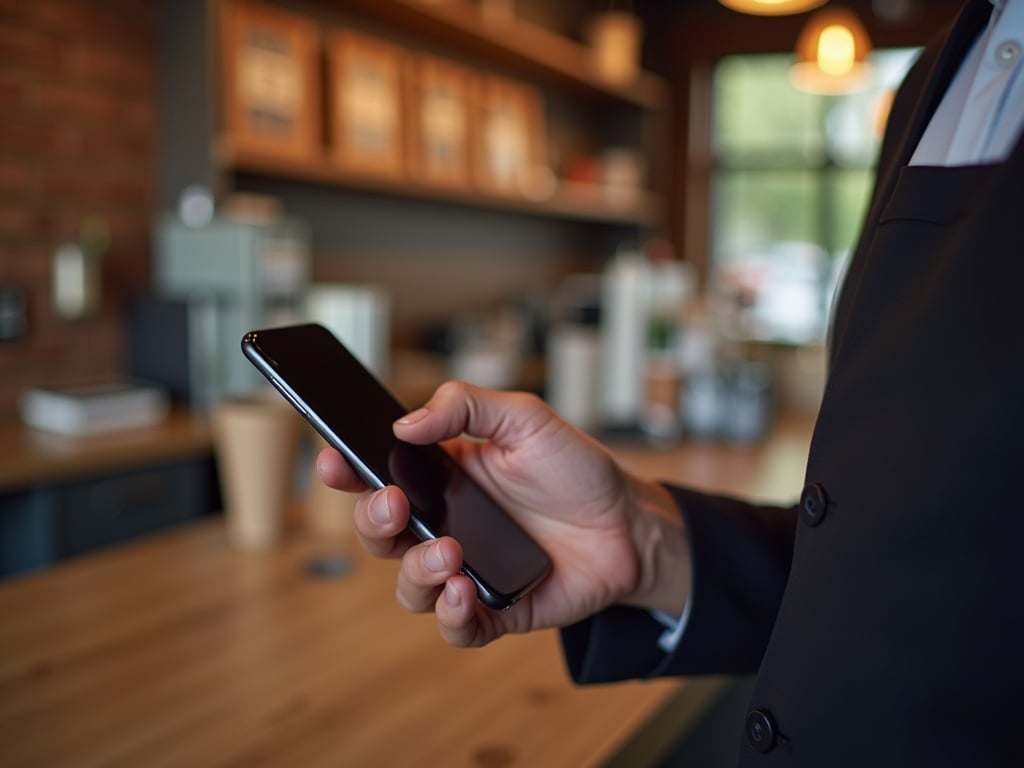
x: 884, y: 620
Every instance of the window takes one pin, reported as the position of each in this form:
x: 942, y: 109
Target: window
x: 791, y: 179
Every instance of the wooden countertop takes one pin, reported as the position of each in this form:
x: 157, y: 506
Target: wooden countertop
x: 177, y: 650
x: 771, y: 471
x: 32, y: 457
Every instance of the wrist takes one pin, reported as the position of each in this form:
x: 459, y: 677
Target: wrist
x: 662, y: 549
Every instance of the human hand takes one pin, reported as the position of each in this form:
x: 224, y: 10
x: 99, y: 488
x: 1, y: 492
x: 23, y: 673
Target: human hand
x: 612, y: 538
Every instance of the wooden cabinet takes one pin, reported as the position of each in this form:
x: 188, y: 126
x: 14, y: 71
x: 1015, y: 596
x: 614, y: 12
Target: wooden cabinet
x: 62, y: 496
x: 39, y: 526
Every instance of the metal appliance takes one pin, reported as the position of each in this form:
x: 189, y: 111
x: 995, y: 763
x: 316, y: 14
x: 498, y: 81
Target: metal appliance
x: 246, y: 275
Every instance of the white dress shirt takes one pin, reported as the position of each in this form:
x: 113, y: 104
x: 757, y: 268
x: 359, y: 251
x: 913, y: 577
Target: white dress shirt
x: 979, y: 119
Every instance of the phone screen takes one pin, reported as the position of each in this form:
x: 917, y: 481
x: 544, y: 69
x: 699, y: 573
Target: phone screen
x: 354, y: 412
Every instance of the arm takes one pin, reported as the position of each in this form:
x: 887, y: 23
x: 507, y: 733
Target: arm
x: 740, y: 563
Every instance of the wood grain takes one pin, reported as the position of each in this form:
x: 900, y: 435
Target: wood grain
x: 176, y: 650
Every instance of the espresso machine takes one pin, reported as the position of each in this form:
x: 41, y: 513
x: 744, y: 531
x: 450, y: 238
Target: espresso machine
x: 228, y: 277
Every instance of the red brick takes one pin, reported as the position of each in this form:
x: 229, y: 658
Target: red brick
x: 15, y: 12
x: 130, y: 25
x: 17, y: 178
x: 29, y: 50
x: 24, y: 265
x: 129, y: 193
x: 14, y: 91
x: 122, y: 141
x: 113, y: 68
x: 25, y: 140
x: 60, y: 98
x: 18, y: 223
x: 78, y: 139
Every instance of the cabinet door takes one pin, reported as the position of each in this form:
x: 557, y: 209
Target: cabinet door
x: 103, y: 511
x: 28, y: 530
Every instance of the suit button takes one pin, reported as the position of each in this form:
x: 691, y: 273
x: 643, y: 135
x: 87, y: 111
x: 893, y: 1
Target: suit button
x: 813, y: 504
x: 761, y: 730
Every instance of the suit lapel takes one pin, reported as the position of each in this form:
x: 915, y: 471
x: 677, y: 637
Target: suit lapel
x: 919, y: 97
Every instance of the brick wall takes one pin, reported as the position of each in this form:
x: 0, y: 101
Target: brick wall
x: 78, y: 137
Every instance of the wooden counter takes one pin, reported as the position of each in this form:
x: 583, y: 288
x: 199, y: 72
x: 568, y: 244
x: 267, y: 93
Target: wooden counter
x: 771, y: 471
x: 178, y: 651
x: 32, y: 457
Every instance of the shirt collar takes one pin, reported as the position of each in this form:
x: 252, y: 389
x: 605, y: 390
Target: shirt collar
x: 998, y: 6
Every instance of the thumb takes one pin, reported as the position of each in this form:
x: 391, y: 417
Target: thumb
x: 458, y: 408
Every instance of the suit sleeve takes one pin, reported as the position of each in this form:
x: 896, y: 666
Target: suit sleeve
x: 741, y: 555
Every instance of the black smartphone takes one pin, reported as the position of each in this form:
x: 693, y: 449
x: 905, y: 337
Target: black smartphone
x: 354, y: 412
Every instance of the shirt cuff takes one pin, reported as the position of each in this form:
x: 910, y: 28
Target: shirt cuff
x: 668, y: 641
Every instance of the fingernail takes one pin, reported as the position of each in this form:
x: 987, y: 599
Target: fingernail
x: 411, y: 418
x: 433, y: 558
x: 380, y: 512
x: 451, y: 595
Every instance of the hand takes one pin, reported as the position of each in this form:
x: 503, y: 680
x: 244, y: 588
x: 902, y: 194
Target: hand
x: 612, y: 537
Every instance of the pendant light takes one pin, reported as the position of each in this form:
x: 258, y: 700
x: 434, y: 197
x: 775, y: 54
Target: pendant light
x: 771, y: 7
x: 831, y: 53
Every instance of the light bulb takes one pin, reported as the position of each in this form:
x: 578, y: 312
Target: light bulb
x: 836, y: 50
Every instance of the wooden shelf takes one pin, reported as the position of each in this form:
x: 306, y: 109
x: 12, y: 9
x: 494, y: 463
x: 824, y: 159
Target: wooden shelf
x: 569, y: 201
x: 517, y: 47
x: 525, y: 47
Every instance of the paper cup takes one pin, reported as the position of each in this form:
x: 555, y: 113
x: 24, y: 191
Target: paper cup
x: 256, y: 440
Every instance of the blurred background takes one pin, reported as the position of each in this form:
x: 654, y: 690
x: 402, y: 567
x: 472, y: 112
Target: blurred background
x: 457, y: 170
x: 640, y: 211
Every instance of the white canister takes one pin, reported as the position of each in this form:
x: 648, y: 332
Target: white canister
x: 573, y: 374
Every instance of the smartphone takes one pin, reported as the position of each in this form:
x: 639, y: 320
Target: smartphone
x: 354, y: 413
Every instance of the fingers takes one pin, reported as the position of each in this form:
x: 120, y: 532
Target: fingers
x: 338, y: 473
x: 458, y: 407
x: 460, y: 618
x: 425, y: 569
x: 381, y: 518
x: 430, y: 580
x: 429, y: 577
